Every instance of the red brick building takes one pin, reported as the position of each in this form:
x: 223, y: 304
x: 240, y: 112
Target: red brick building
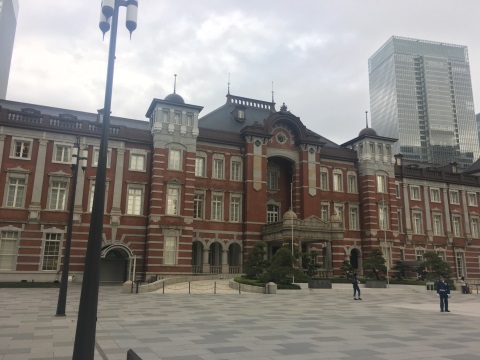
x: 190, y: 195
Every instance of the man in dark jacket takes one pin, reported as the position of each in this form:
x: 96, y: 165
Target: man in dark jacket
x: 443, y: 291
x: 356, y: 288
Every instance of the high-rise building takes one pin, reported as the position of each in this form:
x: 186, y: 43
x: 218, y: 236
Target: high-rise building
x: 8, y: 25
x: 421, y: 93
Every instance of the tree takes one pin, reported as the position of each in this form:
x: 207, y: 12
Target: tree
x: 281, y: 269
x: 347, y: 269
x: 309, y: 263
x: 375, y: 264
x: 255, y: 265
x: 433, y: 267
x: 400, y: 270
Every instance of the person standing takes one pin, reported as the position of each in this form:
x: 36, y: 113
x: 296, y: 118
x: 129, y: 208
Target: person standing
x: 356, y: 288
x: 443, y: 291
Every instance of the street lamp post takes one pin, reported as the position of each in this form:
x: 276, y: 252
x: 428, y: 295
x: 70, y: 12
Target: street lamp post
x: 84, y: 347
x: 62, y: 294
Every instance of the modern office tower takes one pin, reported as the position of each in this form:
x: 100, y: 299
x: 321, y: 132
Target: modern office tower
x: 421, y: 94
x: 8, y: 25
x: 478, y: 124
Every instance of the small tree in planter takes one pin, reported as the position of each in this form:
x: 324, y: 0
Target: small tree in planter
x: 281, y: 269
x: 400, y: 270
x: 309, y: 263
x: 347, y: 270
x: 433, y: 267
x: 256, y: 264
x: 374, y: 266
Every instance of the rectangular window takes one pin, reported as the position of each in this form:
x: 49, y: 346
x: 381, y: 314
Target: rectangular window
x: 454, y: 198
x: 337, y: 182
x: 8, y: 249
x: 323, y: 179
x: 63, y: 153
x: 417, y: 223
x: 166, y: 116
x: 460, y: 263
x: 353, y: 218
x: 339, y: 211
x: 415, y: 193
x: 134, y: 201
x: 217, y: 207
x: 96, y: 153
x: 236, y: 171
x: 273, y: 213
x: 441, y: 254
x: 90, y: 196
x: 137, y: 162
x: 16, y: 192
x: 381, y: 184
x: 51, y: 251
x: 324, y: 212
x: 177, y: 118
x: 198, y: 205
x: 456, y: 225
x: 200, y: 166
x: 437, y: 225
x: 383, y: 217
x: 352, y: 183
x: 475, y: 227
x: 235, y: 208
x: 21, y: 149
x: 472, y: 199
x: 397, y: 191
x: 272, y: 180
x: 435, y: 195
x: 174, y: 159
x: 173, y: 198
x: 189, y: 120
x: 419, y: 254
x: 170, y: 250
x: 217, y: 169
x: 58, y: 192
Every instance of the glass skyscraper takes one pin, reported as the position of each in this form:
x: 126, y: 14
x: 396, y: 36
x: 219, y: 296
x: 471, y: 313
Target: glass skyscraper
x: 421, y: 94
x: 8, y: 25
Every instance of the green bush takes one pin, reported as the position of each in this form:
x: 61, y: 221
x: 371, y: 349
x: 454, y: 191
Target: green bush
x: 281, y: 270
x: 253, y: 282
x: 255, y: 265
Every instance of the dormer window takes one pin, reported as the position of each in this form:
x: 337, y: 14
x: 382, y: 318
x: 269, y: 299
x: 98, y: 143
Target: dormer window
x: 240, y: 114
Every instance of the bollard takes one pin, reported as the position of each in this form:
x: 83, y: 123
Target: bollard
x: 239, y: 288
x: 138, y: 284
x: 189, y: 287
x: 215, y: 288
x: 163, y: 287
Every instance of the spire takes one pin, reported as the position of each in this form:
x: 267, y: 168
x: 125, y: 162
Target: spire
x: 366, y: 118
x: 175, y: 84
x: 228, y: 85
x: 273, y: 92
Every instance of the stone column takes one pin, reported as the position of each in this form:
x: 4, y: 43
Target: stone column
x: 117, y: 188
x: 225, y: 266
x: 428, y: 213
x: 466, y: 217
x: 35, y: 204
x: 446, y: 213
x: 205, y: 264
x: 408, y: 220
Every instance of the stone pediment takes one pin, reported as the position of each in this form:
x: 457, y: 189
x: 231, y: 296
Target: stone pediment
x: 314, y: 221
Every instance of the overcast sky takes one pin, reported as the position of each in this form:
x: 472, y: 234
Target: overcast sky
x: 315, y: 52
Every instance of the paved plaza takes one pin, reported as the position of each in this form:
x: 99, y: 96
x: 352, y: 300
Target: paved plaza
x: 325, y: 324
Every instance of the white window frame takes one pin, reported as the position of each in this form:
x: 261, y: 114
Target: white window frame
x: 272, y: 179
x: 26, y: 146
x: 419, y: 253
x: 134, y: 199
x: 475, y: 227
x: 415, y: 193
x: 353, y: 217
x: 437, y: 224
x: 189, y: 119
x: 435, y: 195
x: 218, y: 167
x: 381, y: 183
x: 441, y: 254
x: 200, y: 165
x: 339, y: 210
x: 52, y: 250
x: 383, y: 223
x: 454, y: 197
x: 170, y: 248
x: 337, y: 181
x: 138, y: 161
x: 236, y: 169
x: 66, y: 153
x: 324, y: 211
x: 14, y: 182
x: 235, y: 207
x: 217, y: 206
x: 460, y: 263
x: 175, y: 159
x: 400, y: 221
x: 273, y: 213
x: 324, y: 179
x: 417, y: 222
x: 12, y: 237
x: 397, y: 190
x: 472, y: 199
x: 199, y: 205
x: 96, y: 154
x: 457, y: 225
x: 352, y: 187
x: 173, y: 200
x: 91, y: 193
x: 60, y: 204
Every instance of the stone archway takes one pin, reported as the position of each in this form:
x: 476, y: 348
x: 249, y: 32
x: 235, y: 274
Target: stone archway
x: 234, y: 258
x: 197, y: 257
x: 115, y: 264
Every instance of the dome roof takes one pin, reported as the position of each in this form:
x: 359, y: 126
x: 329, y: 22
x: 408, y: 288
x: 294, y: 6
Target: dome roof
x: 289, y: 215
x: 368, y: 131
x: 174, y: 98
